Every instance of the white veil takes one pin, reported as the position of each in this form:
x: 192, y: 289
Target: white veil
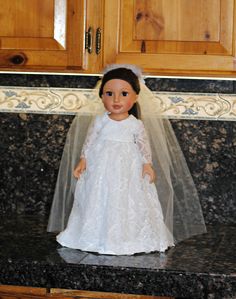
x: 176, y: 190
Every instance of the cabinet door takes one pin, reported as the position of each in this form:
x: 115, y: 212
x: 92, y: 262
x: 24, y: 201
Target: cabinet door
x: 94, y: 25
x: 42, y: 34
x: 171, y: 36
x: 70, y: 294
x: 18, y: 292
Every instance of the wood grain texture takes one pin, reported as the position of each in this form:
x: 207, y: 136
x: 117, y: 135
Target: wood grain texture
x: 179, y: 36
x: 50, y: 34
x: 18, y: 292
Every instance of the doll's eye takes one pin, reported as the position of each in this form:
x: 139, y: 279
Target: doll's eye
x: 108, y: 93
x: 124, y: 93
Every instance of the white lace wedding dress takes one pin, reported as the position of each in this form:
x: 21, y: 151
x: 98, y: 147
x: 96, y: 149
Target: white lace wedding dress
x: 115, y: 210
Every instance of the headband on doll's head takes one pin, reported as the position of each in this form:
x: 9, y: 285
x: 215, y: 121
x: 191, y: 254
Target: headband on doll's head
x: 134, y: 68
x: 126, y: 72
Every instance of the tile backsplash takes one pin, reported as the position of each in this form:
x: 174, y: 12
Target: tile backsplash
x: 32, y: 140
x: 181, y: 105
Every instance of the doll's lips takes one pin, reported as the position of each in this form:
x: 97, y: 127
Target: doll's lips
x: 116, y: 107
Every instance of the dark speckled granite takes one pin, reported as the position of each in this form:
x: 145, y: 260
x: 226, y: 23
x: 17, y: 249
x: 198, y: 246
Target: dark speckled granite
x: 210, y: 151
x: 191, y: 85
x: 32, y: 146
x: 200, y: 267
x: 155, y: 84
x: 30, y: 152
x: 34, y: 80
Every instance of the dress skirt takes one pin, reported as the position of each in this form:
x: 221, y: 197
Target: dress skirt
x: 115, y: 210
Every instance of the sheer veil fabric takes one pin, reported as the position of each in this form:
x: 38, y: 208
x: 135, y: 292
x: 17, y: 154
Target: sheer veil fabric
x: 176, y: 190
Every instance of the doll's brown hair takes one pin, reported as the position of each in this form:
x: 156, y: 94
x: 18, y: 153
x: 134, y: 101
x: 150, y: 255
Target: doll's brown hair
x: 128, y: 76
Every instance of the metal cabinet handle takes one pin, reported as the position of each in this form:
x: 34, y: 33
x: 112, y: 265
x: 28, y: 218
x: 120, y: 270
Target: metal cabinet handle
x: 98, y: 40
x: 89, y: 40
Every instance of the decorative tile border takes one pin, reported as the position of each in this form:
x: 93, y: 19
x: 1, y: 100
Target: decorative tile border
x: 70, y: 101
x: 198, y: 106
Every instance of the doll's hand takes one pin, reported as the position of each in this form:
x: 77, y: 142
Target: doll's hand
x: 148, y: 170
x: 80, y: 168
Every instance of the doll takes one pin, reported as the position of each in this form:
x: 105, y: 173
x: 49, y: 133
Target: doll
x: 120, y: 207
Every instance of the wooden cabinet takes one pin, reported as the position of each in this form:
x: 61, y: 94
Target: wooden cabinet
x: 42, y: 35
x: 174, y: 37
x: 171, y: 36
x: 17, y: 292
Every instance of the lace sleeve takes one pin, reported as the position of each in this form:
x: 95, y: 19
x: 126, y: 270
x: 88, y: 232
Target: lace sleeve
x: 142, y: 141
x: 91, y: 136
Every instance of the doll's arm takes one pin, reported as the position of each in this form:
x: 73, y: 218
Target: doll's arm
x: 145, y: 150
x: 81, y: 166
x: 93, y: 131
x: 148, y: 170
x: 92, y: 134
x: 141, y: 139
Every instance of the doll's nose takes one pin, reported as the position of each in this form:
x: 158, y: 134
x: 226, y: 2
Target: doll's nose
x: 116, y: 98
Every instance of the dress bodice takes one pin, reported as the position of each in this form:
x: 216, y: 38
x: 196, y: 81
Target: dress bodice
x: 123, y: 131
x: 127, y: 130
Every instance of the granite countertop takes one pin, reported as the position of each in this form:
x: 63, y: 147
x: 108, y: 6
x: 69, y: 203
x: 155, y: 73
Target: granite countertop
x: 201, y: 267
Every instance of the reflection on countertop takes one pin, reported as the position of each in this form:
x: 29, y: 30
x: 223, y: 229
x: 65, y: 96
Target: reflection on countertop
x: 200, y: 267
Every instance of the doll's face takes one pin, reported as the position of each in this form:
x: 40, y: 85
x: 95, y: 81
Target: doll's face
x: 118, y: 97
